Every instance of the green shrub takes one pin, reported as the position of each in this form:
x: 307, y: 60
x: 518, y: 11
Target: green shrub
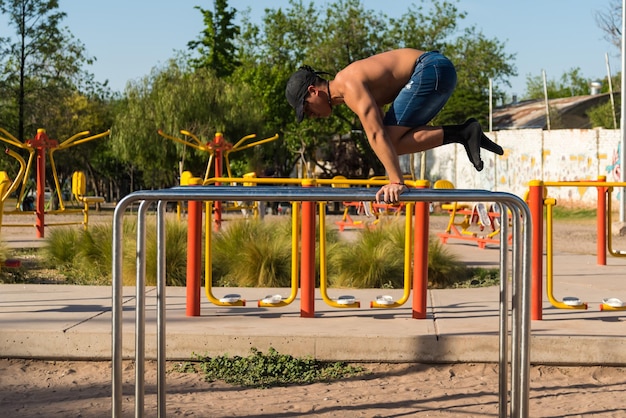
x: 374, y: 260
x: 444, y: 267
x: 252, y: 253
x: 62, y: 245
x: 85, y: 256
x: 268, y: 370
x: 175, y: 254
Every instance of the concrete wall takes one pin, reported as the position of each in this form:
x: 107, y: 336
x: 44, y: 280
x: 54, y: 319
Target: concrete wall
x: 533, y: 154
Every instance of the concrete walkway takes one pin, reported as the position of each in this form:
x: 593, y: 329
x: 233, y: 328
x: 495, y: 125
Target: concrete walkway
x: 74, y: 322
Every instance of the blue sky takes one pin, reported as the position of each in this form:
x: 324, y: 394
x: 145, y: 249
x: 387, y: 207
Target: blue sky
x: 129, y: 38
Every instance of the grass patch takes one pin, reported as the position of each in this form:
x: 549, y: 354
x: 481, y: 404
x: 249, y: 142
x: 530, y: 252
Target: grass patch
x: 563, y: 213
x: 479, y: 277
x: 33, y: 269
x: 260, y: 370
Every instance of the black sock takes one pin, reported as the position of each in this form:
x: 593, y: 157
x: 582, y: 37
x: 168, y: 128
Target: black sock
x: 487, y: 143
x: 469, y: 135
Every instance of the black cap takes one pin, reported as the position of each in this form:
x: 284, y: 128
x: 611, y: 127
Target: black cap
x: 297, y: 88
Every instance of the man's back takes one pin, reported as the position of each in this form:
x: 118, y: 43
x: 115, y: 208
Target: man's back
x: 383, y: 75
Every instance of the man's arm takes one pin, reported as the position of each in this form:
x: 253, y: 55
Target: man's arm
x: 361, y: 102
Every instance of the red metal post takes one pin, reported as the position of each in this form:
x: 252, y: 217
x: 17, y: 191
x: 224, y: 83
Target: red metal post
x: 194, y: 255
x: 535, y: 204
x: 219, y: 143
x: 307, y: 258
x: 601, y: 223
x: 41, y: 143
x: 420, y: 255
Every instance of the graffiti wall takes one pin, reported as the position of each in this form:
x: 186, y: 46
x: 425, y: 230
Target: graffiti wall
x: 534, y: 154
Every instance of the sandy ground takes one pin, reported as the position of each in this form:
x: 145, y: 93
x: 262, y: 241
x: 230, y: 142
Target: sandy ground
x: 30, y: 388
x: 83, y: 389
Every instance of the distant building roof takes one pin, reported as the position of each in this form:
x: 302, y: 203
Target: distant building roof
x: 572, y: 113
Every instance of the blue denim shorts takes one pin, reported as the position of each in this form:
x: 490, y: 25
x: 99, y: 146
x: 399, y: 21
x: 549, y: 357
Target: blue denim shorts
x: 428, y: 90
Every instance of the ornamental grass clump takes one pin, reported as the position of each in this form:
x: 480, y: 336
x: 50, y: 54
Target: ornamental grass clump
x: 373, y: 260
x: 252, y: 253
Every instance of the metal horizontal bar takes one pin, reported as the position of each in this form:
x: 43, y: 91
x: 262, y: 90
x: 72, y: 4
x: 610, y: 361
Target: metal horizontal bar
x: 315, y: 194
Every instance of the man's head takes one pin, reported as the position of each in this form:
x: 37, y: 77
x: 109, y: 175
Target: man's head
x: 298, y: 90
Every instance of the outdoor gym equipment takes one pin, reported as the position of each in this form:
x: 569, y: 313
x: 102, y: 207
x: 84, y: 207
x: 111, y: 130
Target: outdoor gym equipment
x: 37, y: 148
x: 537, y: 197
x: 382, y: 301
x: 277, y: 300
x: 219, y: 149
x: 519, y: 338
x: 345, y: 301
x: 568, y: 302
x: 471, y: 214
x: 378, y: 210
x: 609, y: 220
x: 346, y: 220
x: 194, y: 258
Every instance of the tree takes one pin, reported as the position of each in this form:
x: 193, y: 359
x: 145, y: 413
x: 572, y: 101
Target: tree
x: 348, y: 32
x: 431, y: 28
x: 173, y: 98
x: 43, y: 84
x: 477, y: 59
x: 603, y: 116
x: 40, y: 65
x: 610, y: 22
x: 571, y: 84
x: 216, y: 45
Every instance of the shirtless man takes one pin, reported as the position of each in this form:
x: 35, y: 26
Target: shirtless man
x: 416, y: 83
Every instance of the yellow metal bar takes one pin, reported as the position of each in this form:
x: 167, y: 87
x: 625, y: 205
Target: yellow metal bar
x: 295, y: 260
x: 55, y: 175
x: 227, y: 161
x: 73, y: 138
x: 323, y: 182
x: 182, y: 141
x: 244, y: 139
x: 213, y: 180
x: 408, y: 245
x: 584, y: 183
x: 12, y: 140
x: 208, y: 167
x: 85, y: 215
x: 91, y: 138
x: 253, y: 144
x: 237, y: 147
x: 608, y: 307
x: 192, y: 136
x: 323, y: 275
x: 609, y: 233
x: 610, y: 185
x: 29, y: 164
x: 208, y: 261
x: 549, y: 203
x: 615, y: 253
x: 20, y: 173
